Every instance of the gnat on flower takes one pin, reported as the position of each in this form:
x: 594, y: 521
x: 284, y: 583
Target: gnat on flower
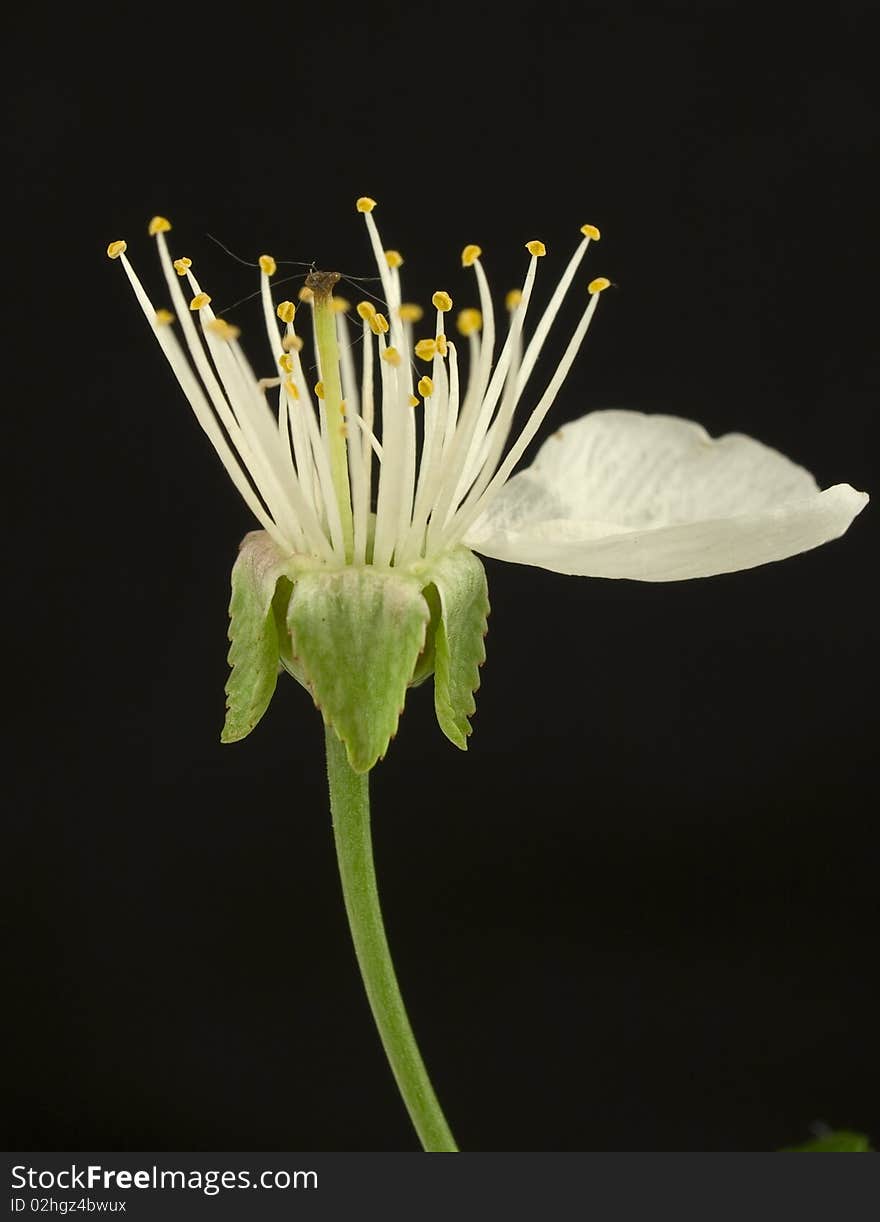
x: 359, y: 603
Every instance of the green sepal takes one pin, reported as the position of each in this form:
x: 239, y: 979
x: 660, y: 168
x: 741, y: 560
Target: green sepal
x: 356, y: 634
x: 840, y: 1142
x: 253, y: 633
x: 459, y: 650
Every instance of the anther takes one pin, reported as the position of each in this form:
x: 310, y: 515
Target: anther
x: 319, y: 389
x: 442, y: 301
x: 392, y: 356
x: 286, y: 311
x: 378, y: 324
x: 164, y: 318
x: 115, y: 249
x: 470, y: 254
x: 598, y: 285
x: 182, y: 266
x: 306, y: 294
x: 223, y: 330
x: 290, y: 387
x: 441, y: 345
x: 159, y: 224
x: 199, y: 301
x: 365, y: 204
x: 469, y: 321
x: 426, y: 349
x: 366, y: 309
x: 286, y: 362
x: 340, y: 305
x: 590, y: 231
x: 410, y: 312
x: 536, y: 248
x: 268, y: 265
x: 393, y: 258
x: 512, y: 300
x: 292, y: 343
x: 426, y: 388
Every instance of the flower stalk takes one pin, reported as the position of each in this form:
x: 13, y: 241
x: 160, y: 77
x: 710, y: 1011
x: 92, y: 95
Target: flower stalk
x: 350, y: 807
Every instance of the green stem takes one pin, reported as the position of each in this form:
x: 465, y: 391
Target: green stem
x: 350, y: 806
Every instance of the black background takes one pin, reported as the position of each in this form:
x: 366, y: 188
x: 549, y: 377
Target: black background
x: 639, y: 913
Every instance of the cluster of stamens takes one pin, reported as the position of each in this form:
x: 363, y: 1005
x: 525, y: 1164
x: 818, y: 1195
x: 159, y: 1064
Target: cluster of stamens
x: 305, y: 458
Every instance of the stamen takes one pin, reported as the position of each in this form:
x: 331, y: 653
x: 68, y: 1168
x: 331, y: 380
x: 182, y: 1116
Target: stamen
x: 366, y: 310
x: 469, y: 321
x: 426, y: 388
x: 365, y: 204
x: 426, y: 349
x: 268, y: 266
x: 394, y: 258
x: 286, y: 362
x: 410, y: 312
x: 339, y: 305
x: 199, y: 302
x: 536, y: 248
x: 292, y: 343
x: 599, y: 285
x: 442, y: 301
x: 182, y: 266
x: 319, y: 389
x: 223, y: 330
x: 469, y: 254
x: 164, y: 318
x: 286, y: 311
x: 392, y: 356
x: 512, y: 300
x: 159, y: 224
x: 115, y: 249
x: 306, y: 294
x: 413, y: 401
x: 378, y: 324
x: 590, y: 231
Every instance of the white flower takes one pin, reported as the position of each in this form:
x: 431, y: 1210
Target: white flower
x: 614, y: 494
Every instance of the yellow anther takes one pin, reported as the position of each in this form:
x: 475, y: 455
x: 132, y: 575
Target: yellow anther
x: 286, y: 362
x: 442, y: 301
x: 292, y: 343
x: 426, y: 388
x: 115, y: 249
x: 469, y: 321
x: 512, y: 300
x: 199, y: 301
x: 426, y: 349
x: 590, y: 231
x: 598, y: 285
x: 366, y: 309
x: 410, y: 312
x: 306, y: 294
x: 159, y: 224
x: 365, y: 204
x: 378, y: 324
x: 340, y: 305
x: 224, y: 330
x: 441, y: 345
x: 268, y: 265
x: 286, y: 311
x: 413, y: 401
x: 164, y: 318
x: 290, y: 387
x: 319, y: 389
x: 536, y: 248
x: 470, y: 254
x: 182, y: 266
x: 393, y: 258
x: 392, y: 356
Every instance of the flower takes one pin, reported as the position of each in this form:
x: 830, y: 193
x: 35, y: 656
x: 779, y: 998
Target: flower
x: 377, y: 600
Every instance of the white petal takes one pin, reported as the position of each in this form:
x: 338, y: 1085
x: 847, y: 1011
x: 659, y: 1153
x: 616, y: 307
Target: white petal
x: 654, y: 498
